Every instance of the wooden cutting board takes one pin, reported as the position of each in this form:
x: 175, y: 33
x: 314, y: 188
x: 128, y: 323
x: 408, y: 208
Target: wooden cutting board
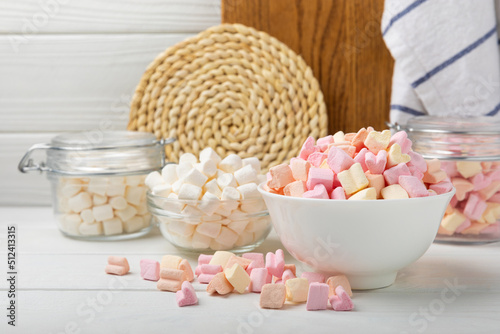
x: 341, y: 41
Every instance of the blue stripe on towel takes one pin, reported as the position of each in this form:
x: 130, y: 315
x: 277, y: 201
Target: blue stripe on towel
x: 453, y: 59
x: 405, y: 11
x: 406, y: 110
x: 494, y: 111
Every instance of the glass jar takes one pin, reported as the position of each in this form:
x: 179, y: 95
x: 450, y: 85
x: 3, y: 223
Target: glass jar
x: 469, y: 151
x: 97, y: 182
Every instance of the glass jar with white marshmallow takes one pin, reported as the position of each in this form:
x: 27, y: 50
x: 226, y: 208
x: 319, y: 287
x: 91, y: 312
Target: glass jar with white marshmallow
x: 210, y: 203
x: 97, y: 181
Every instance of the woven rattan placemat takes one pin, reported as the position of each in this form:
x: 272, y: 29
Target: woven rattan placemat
x: 235, y: 89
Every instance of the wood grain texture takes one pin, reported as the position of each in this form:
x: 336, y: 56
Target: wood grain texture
x: 341, y: 41
x: 110, y: 16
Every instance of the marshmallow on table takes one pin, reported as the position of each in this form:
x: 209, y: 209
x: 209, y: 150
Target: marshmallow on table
x: 150, y: 270
x: 202, y: 259
x: 221, y: 258
x: 171, y: 279
x: 258, y: 278
x: 186, y: 296
x: 257, y: 261
x: 296, y: 290
x: 208, y: 271
x: 237, y: 277
x: 117, y: 266
x: 313, y: 277
x: 317, y: 298
x: 341, y: 301
x: 275, y: 263
x: 273, y: 296
x: 339, y: 280
x: 219, y: 284
x: 287, y: 274
x: 186, y: 267
x: 243, y: 262
x: 170, y: 261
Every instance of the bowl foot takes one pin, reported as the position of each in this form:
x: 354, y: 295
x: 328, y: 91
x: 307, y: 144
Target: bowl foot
x: 361, y: 282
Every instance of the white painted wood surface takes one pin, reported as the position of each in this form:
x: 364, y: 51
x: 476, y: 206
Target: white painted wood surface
x: 59, y: 277
x: 73, y: 66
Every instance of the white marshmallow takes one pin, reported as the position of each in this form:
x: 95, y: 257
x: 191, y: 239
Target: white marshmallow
x: 207, y: 167
x: 115, y: 190
x: 200, y: 241
x: 226, y: 208
x: 135, y: 195
x: 146, y: 219
x: 209, y: 203
x: 169, y: 173
x: 102, y: 212
x: 172, y: 204
x: 118, y: 203
x: 189, y: 192
x: 153, y: 179
x: 245, y: 238
x: 70, y: 223
x: 117, y: 180
x: 230, y: 193
x: 87, y: 216
x: 210, y: 229
x: 211, y: 218
x: 257, y: 224
x: 183, y: 169
x: 212, y: 187
x: 141, y: 208
x: 226, y: 180
x: 214, y: 245
x: 238, y: 226
x: 191, y: 214
x: 227, y: 237
x: 253, y: 206
x: 245, y: 175
x: 112, y: 226
x: 80, y: 202
x: 162, y: 189
x: 63, y: 205
x: 254, y: 162
x: 134, y: 180
x: 176, y: 186
x: 238, y: 215
x: 225, y: 222
x: 181, y: 228
x: 248, y: 191
x: 261, y: 178
x: 90, y: 229
x: 196, y: 178
x: 126, y: 213
x: 339, y: 137
x: 134, y: 224
x: 98, y: 185
x: 99, y: 200
x: 181, y: 241
x: 209, y: 154
x: 231, y: 163
x: 70, y: 189
x: 188, y: 158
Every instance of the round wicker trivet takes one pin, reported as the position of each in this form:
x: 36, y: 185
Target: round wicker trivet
x: 235, y: 89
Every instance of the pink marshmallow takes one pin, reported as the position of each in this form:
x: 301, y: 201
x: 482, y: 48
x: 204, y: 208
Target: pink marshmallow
x: 338, y: 160
x: 258, y: 278
x: 392, y: 174
x: 466, y: 224
x: 316, y: 158
x: 186, y: 296
x: 319, y: 191
x: 275, y: 263
x: 480, y: 181
x: 361, y: 157
x: 287, y: 274
x: 338, y: 193
x: 442, y: 187
x: 474, y: 207
x: 202, y: 259
x: 418, y: 161
x: 415, y: 172
x: 307, y: 148
x: 401, y: 138
x: 495, y: 198
x: 450, y: 167
x: 300, y: 169
x: 341, y: 301
x: 376, y: 163
x: 281, y: 175
x: 208, y: 271
x: 317, y: 297
x: 150, y: 270
x: 313, y: 277
x: 320, y: 176
x: 324, y: 142
x: 492, y: 229
x: 257, y: 261
x: 413, y: 186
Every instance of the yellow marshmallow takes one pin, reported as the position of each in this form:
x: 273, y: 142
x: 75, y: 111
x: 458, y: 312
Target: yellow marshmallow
x: 221, y: 258
x: 365, y: 194
x: 377, y: 141
x: 297, y: 289
x: 453, y: 220
x: 394, y: 191
x: 394, y: 156
x: 353, y: 179
x: 491, y: 214
x: 469, y: 168
x: 170, y: 261
x: 238, y: 277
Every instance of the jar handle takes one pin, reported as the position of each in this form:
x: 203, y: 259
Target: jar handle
x: 27, y: 165
x: 166, y: 141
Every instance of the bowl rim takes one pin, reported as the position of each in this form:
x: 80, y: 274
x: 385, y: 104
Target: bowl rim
x: 321, y: 200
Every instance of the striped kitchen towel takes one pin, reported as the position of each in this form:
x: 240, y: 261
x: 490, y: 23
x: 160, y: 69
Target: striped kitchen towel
x: 447, y: 58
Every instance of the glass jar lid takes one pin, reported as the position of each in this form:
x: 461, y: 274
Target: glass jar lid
x: 100, y: 153
x: 455, y: 138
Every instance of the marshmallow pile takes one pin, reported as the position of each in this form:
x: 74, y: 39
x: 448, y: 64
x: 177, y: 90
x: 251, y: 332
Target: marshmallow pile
x: 93, y: 206
x: 224, y: 272
x: 211, y: 203
x: 366, y: 165
x: 475, y: 208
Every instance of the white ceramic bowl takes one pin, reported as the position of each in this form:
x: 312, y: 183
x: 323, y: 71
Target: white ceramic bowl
x: 368, y: 241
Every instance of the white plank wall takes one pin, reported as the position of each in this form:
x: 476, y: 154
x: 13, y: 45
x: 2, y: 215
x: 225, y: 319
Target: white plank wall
x: 73, y: 66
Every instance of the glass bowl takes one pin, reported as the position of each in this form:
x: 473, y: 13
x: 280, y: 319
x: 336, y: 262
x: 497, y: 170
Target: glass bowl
x: 200, y: 226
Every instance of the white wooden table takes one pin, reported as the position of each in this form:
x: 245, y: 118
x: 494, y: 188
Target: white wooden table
x: 62, y: 288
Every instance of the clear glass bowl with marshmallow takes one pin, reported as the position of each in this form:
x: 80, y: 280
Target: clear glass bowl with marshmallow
x: 210, y: 203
